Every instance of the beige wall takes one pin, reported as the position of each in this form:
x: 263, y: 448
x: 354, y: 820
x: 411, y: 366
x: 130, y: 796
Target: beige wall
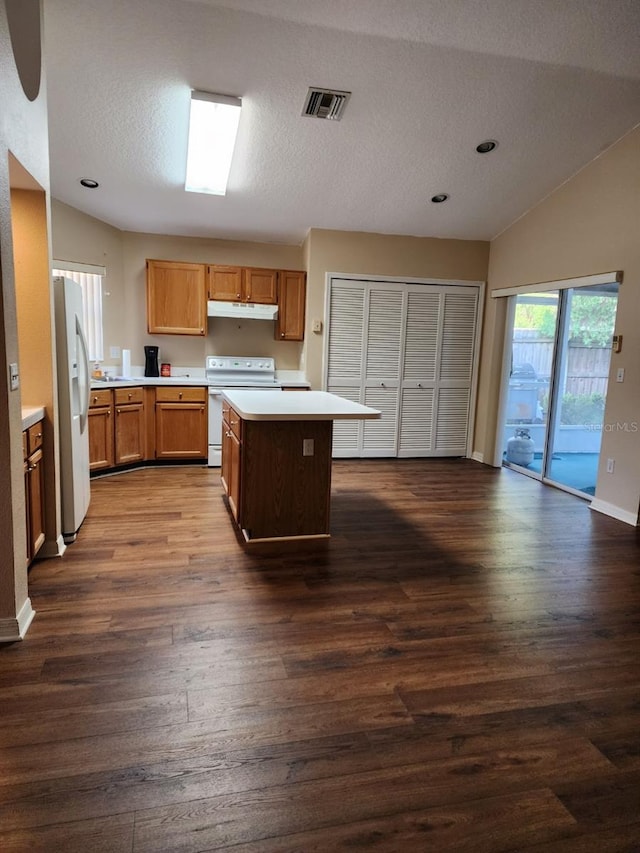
x: 81, y: 238
x: 589, y: 225
x: 35, y: 335
x: 23, y: 133
x: 379, y: 255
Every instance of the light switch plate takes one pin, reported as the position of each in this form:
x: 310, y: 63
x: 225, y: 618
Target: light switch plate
x: 14, y: 376
x: 307, y: 447
x: 620, y: 375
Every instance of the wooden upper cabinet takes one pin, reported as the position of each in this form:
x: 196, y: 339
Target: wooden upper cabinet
x: 224, y: 283
x: 242, y: 284
x: 260, y: 286
x: 291, y: 305
x: 176, y: 298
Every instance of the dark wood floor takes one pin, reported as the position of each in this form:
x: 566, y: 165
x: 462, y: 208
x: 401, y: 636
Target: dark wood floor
x: 458, y: 669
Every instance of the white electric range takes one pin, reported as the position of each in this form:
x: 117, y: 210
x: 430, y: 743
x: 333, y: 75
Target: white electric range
x: 223, y: 372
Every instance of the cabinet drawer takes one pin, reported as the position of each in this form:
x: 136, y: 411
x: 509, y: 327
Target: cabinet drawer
x: 34, y: 437
x: 181, y: 394
x: 235, y: 423
x: 100, y: 398
x: 127, y: 395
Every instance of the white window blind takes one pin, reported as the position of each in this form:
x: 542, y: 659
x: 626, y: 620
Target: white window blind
x: 90, y: 280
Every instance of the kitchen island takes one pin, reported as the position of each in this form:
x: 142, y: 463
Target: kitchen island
x: 276, y: 460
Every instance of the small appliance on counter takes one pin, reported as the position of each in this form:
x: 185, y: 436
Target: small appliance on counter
x: 151, y: 355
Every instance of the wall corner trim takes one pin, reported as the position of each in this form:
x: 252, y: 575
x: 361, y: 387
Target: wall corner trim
x: 15, y: 629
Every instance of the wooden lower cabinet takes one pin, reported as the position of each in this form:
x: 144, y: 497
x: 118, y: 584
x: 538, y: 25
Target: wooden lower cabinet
x: 101, y: 450
x: 181, y: 423
x: 34, y: 488
x: 231, y: 456
x: 129, y: 428
x: 133, y: 424
x: 275, y: 490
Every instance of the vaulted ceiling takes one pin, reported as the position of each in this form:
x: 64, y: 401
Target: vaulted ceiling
x: 555, y: 83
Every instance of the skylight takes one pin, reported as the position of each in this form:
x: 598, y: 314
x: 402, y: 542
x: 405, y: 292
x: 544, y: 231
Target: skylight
x: 213, y: 126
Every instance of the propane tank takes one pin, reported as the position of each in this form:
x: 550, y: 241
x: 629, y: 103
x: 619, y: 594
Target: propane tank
x: 520, y: 448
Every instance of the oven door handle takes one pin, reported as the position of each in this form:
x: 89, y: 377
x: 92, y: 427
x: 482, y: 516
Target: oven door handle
x: 215, y: 392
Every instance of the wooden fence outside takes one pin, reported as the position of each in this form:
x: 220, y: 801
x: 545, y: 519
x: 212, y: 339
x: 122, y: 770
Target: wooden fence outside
x: 587, y: 367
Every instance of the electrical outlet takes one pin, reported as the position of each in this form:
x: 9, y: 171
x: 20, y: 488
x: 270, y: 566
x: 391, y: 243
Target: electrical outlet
x: 316, y: 326
x: 611, y: 464
x: 307, y: 447
x: 620, y: 375
x: 114, y: 352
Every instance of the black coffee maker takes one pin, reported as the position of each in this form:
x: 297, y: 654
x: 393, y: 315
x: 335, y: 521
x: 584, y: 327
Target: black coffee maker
x: 151, y: 361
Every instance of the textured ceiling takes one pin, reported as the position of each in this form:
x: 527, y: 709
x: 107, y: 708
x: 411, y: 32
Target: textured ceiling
x: 555, y: 82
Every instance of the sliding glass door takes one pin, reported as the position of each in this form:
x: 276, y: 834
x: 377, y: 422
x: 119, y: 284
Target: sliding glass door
x: 580, y: 387
x: 533, y: 323
x: 560, y: 344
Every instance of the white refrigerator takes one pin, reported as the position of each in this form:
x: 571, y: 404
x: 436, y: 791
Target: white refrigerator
x: 73, y: 404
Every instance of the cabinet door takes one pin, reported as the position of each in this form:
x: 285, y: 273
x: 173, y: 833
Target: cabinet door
x: 100, y: 438
x: 176, y: 298
x: 225, y: 468
x: 35, y: 504
x: 291, y: 305
x: 224, y: 283
x: 234, y: 475
x: 129, y: 434
x: 181, y: 431
x: 260, y: 286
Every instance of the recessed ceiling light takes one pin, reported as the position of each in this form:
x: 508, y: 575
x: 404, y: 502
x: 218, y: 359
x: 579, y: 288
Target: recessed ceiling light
x: 89, y: 183
x: 486, y: 146
x: 439, y: 198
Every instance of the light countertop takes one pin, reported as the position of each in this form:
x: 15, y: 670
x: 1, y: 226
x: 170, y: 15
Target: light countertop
x: 148, y: 380
x: 31, y: 415
x: 310, y: 406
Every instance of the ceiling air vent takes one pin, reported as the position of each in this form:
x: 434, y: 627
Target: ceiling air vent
x: 325, y: 103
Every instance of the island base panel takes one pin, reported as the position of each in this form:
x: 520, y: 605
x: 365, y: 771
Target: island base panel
x: 285, y: 493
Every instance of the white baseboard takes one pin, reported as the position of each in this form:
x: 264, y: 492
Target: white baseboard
x: 13, y: 629
x: 52, y: 548
x: 614, y: 511
x: 477, y: 456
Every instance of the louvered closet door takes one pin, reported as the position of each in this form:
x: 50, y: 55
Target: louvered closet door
x: 382, y: 357
x: 345, y: 371
x: 406, y: 349
x: 455, y: 371
x: 417, y: 402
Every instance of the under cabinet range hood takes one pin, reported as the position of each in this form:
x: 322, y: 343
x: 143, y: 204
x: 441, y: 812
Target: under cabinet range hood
x: 241, y: 310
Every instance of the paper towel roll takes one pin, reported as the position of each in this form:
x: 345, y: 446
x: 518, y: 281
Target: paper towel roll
x: 126, y: 363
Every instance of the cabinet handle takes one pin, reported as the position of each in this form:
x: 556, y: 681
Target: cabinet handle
x: 180, y: 395
x: 108, y: 412
x: 282, y: 334
x: 129, y: 396
x: 237, y: 296
x: 119, y: 411
x: 39, y: 435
